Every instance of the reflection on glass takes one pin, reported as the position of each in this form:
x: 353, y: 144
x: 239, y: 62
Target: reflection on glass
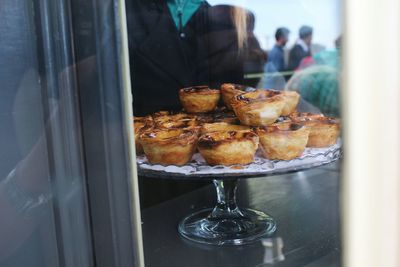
x: 193, y: 63
x: 273, y: 250
x: 42, y: 202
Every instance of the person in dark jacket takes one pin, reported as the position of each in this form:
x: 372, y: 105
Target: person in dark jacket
x: 176, y: 44
x: 302, y: 48
x: 173, y: 47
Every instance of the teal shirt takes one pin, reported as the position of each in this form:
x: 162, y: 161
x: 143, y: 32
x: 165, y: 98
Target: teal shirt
x: 189, y: 9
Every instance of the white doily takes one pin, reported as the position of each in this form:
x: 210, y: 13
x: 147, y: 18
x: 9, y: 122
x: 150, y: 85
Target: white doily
x: 311, y: 157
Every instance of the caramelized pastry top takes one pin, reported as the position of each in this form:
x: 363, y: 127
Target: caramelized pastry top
x: 239, y: 87
x: 205, y: 118
x: 167, y: 136
x: 224, y: 116
x: 312, y: 118
x: 179, y: 120
x: 218, y: 117
x: 280, y: 127
x: 214, y: 139
x: 142, y: 123
x: 201, y: 89
x: 258, y: 95
x: 221, y: 126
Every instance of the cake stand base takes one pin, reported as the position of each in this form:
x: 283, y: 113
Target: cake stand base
x: 226, y: 224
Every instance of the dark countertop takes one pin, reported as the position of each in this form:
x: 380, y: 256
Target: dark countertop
x: 304, y: 205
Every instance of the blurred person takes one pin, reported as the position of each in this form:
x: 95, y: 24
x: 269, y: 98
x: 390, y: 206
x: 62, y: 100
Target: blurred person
x: 276, y: 55
x: 276, y: 61
x: 330, y: 57
x: 305, y: 63
x: 302, y: 48
x: 318, y: 82
x: 180, y: 43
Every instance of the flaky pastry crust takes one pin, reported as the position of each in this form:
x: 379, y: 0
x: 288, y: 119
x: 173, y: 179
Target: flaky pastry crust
x: 291, y: 101
x: 199, y: 99
x: 220, y: 115
x: 222, y: 127
x: 141, y: 124
x: 229, y: 91
x: 291, y: 98
x: 228, y: 147
x: 283, y: 141
x: 179, y: 120
x: 225, y: 116
x: 324, y: 131
x: 161, y: 113
x: 258, y: 108
x: 169, y: 146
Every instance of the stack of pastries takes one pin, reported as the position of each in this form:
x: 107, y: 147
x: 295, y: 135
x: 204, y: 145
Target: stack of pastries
x: 250, y: 119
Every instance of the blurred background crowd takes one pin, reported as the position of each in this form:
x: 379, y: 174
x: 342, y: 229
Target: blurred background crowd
x: 302, y: 40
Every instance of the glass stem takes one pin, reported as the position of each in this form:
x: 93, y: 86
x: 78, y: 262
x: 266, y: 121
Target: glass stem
x: 226, y: 200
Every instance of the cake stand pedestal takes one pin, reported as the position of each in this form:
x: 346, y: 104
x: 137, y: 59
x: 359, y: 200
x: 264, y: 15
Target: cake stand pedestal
x: 226, y: 223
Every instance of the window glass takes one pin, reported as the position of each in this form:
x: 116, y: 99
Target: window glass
x: 43, y: 216
x: 237, y: 130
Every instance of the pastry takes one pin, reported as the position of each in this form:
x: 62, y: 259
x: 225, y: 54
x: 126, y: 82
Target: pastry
x: 225, y: 116
x: 228, y: 147
x: 291, y: 101
x: 169, y: 146
x: 179, y: 120
x: 221, y: 127
x: 324, y: 131
x: 230, y: 90
x: 141, y: 124
x: 283, y: 141
x: 305, y: 116
x: 258, y: 108
x: 204, y: 118
x: 199, y: 99
x: 161, y: 113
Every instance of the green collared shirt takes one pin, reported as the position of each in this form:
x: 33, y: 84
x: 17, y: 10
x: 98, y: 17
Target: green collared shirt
x: 190, y: 7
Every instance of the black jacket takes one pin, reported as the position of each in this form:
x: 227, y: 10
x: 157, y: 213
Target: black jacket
x: 296, y: 54
x: 162, y: 62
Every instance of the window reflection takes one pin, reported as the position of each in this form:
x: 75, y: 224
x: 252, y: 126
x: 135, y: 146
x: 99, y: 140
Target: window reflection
x: 273, y: 250
x: 281, y: 45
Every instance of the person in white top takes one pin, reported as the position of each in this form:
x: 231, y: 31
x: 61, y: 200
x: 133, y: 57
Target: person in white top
x: 302, y: 48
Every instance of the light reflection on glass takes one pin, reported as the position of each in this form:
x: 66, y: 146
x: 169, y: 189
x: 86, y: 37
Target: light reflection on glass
x: 273, y: 250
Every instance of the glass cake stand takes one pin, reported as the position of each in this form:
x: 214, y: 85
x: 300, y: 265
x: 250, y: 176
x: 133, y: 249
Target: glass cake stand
x: 226, y: 223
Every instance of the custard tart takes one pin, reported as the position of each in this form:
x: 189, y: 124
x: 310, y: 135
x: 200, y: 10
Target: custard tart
x: 283, y: 141
x: 169, y: 146
x: 228, y: 147
x: 230, y: 90
x: 141, y: 124
x: 222, y: 127
x: 291, y: 101
x: 204, y: 118
x: 258, y: 108
x: 161, y: 113
x: 199, y: 99
x: 179, y: 120
x: 225, y: 116
x: 324, y: 131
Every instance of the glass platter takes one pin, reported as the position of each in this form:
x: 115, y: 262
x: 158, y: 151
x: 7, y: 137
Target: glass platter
x: 226, y: 223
